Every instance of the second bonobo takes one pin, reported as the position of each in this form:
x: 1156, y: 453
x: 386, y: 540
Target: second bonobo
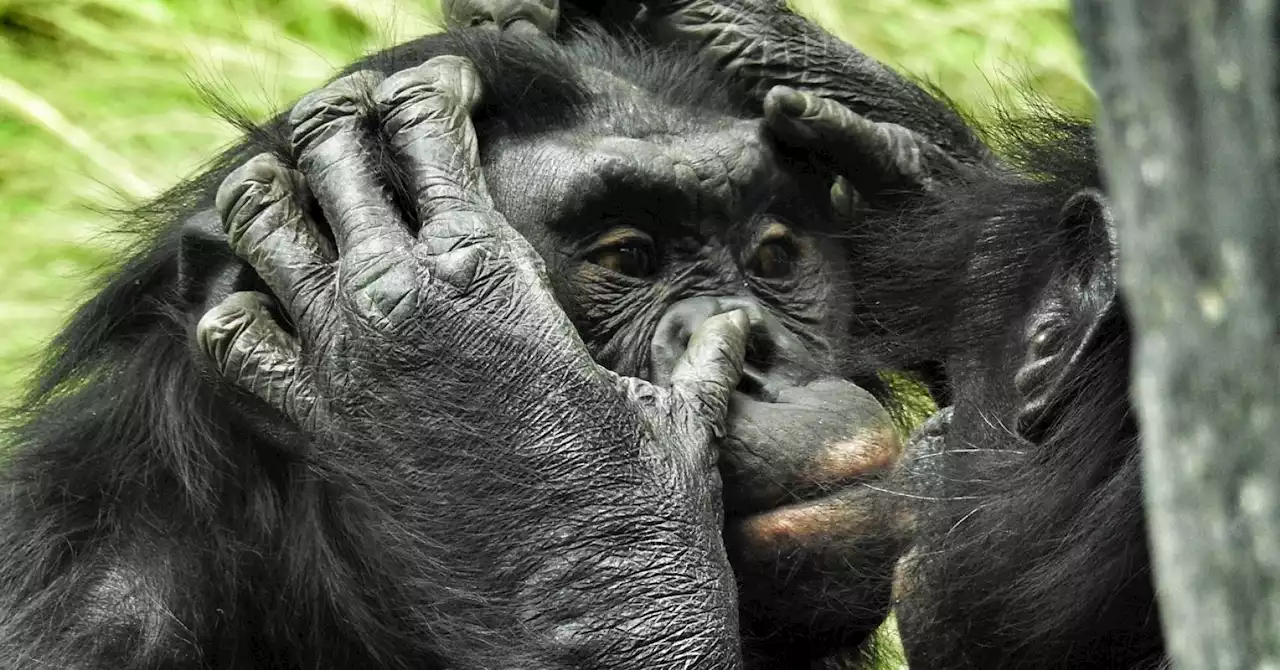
x: 657, y: 202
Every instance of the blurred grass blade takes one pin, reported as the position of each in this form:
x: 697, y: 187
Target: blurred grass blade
x: 35, y: 110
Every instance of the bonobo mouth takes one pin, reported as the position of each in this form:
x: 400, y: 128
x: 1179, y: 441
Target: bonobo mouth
x: 812, y: 547
x: 791, y: 465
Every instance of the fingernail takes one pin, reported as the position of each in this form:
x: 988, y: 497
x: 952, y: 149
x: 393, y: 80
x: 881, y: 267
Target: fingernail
x: 843, y: 198
x: 785, y: 100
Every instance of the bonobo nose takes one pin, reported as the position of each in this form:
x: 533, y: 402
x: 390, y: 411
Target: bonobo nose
x: 776, y: 358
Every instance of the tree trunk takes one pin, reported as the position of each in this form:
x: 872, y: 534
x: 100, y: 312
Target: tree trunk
x: 1189, y: 141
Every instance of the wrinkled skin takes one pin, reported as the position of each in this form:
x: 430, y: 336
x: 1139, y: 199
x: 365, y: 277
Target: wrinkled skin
x: 799, y: 548
x: 638, y: 282
x: 374, y: 310
x: 154, y: 518
x: 999, y: 292
x: 648, y: 233
x: 882, y: 140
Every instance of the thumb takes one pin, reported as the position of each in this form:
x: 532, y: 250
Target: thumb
x: 708, y: 372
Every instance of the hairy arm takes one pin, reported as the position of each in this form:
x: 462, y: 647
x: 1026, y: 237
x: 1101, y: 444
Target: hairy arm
x: 576, y: 510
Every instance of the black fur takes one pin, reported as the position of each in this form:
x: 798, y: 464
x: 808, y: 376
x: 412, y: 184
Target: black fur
x: 1030, y: 549
x: 151, y: 519
x: 155, y: 518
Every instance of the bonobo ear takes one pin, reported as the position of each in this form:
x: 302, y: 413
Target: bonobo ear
x: 208, y: 271
x: 1069, y: 312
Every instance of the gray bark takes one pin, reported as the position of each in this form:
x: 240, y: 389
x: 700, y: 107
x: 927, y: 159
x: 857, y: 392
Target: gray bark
x: 1189, y: 141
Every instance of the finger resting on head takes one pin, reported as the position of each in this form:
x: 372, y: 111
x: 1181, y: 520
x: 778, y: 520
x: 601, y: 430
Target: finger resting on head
x: 263, y: 206
x: 249, y: 349
x: 865, y: 152
x: 336, y: 153
x: 426, y: 113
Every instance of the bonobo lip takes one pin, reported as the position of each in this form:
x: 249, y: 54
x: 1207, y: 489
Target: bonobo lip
x: 845, y: 514
x: 851, y: 513
x: 841, y: 469
x: 784, y: 460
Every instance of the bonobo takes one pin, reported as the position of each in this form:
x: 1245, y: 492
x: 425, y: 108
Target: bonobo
x: 993, y: 279
x: 429, y: 469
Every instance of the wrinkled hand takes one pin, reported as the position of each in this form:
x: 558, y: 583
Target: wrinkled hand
x: 527, y: 17
x: 442, y: 349
x: 883, y: 137
x: 762, y: 44
x: 874, y: 162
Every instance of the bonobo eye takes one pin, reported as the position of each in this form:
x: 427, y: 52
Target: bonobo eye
x: 776, y: 255
x: 627, y: 251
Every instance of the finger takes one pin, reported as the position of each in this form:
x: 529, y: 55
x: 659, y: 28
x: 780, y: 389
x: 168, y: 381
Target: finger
x: 464, y: 13
x: 872, y: 156
x: 426, y: 113
x: 334, y: 154
x: 531, y: 18
x: 525, y: 17
x: 249, y: 349
x: 724, y: 30
x: 711, y: 366
x: 263, y: 208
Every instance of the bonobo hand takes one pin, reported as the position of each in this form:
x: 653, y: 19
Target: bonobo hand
x: 580, y: 509
x: 763, y: 44
x: 883, y: 136
x: 874, y: 162
x: 529, y: 17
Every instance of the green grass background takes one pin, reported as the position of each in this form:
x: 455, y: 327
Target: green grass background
x: 99, y: 106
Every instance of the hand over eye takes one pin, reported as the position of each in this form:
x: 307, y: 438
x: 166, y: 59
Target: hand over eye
x: 443, y: 355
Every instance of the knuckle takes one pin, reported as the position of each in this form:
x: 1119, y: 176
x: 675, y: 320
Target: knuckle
x: 345, y: 98
x: 223, y: 326
x: 248, y: 192
x: 409, y: 99
x: 457, y: 12
x: 701, y: 409
x: 444, y: 88
x: 385, y: 291
x: 241, y: 193
x: 457, y: 227
x: 459, y: 76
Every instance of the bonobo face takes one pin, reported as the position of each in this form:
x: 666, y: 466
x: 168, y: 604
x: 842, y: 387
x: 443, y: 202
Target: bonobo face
x: 645, y: 236
x: 652, y: 219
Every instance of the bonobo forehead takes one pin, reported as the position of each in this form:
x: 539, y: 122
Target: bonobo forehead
x: 631, y: 146
x: 714, y: 175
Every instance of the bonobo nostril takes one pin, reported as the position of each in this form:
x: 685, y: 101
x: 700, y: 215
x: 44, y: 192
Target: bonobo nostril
x: 775, y: 357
